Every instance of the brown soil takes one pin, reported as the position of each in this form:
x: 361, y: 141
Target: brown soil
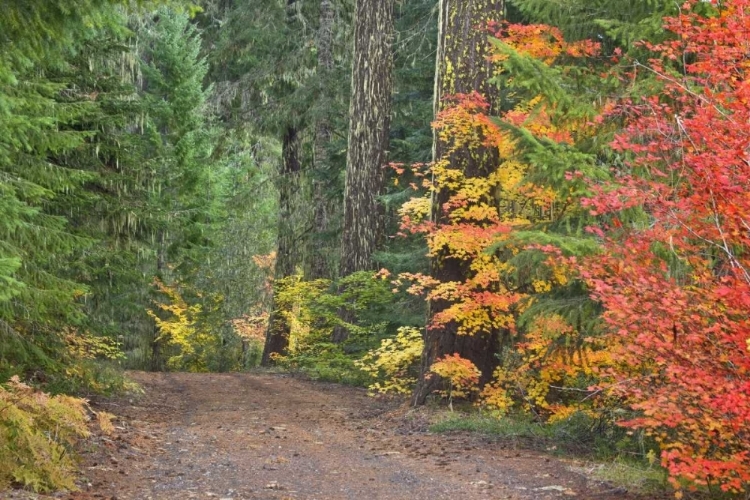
x: 264, y: 436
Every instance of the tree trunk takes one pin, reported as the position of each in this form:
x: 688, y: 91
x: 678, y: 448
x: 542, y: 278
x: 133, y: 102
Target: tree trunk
x: 319, y: 252
x: 369, y: 126
x: 462, y: 67
x: 287, y: 255
x: 157, y: 363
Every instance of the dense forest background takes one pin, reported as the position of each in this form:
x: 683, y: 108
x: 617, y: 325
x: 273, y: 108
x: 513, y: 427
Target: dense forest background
x: 537, y: 207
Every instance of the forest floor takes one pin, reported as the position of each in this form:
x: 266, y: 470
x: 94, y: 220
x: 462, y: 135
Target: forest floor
x: 274, y: 437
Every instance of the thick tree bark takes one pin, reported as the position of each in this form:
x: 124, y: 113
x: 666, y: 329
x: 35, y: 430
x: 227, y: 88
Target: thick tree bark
x: 369, y: 126
x: 319, y: 253
x: 287, y: 254
x: 462, y: 67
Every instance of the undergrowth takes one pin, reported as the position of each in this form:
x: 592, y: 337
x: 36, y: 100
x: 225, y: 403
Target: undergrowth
x: 616, y: 455
x: 326, y: 365
x: 37, y: 432
x: 45, y: 415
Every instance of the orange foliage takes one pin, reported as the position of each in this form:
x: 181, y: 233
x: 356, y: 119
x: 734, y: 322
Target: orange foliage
x: 460, y: 374
x: 252, y: 327
x: 482, y: 213
x: 542, y: 42
x: 674, y: 286
x: 544, y: 371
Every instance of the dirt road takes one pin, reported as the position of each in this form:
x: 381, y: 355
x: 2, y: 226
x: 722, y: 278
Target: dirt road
x: 249, y: 436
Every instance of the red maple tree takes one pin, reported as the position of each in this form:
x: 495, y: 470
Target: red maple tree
x: 675, y: 278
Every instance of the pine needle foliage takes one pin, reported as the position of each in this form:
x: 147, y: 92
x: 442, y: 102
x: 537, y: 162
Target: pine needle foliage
x: 39, y: 117
x: 614, y: 23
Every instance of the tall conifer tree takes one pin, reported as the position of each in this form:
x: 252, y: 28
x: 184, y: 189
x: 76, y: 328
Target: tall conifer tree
x: 40, y: 117
x: 288, y: 251
x: 369, y: 126
x: 319, y: 260
x: 462, y: 67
